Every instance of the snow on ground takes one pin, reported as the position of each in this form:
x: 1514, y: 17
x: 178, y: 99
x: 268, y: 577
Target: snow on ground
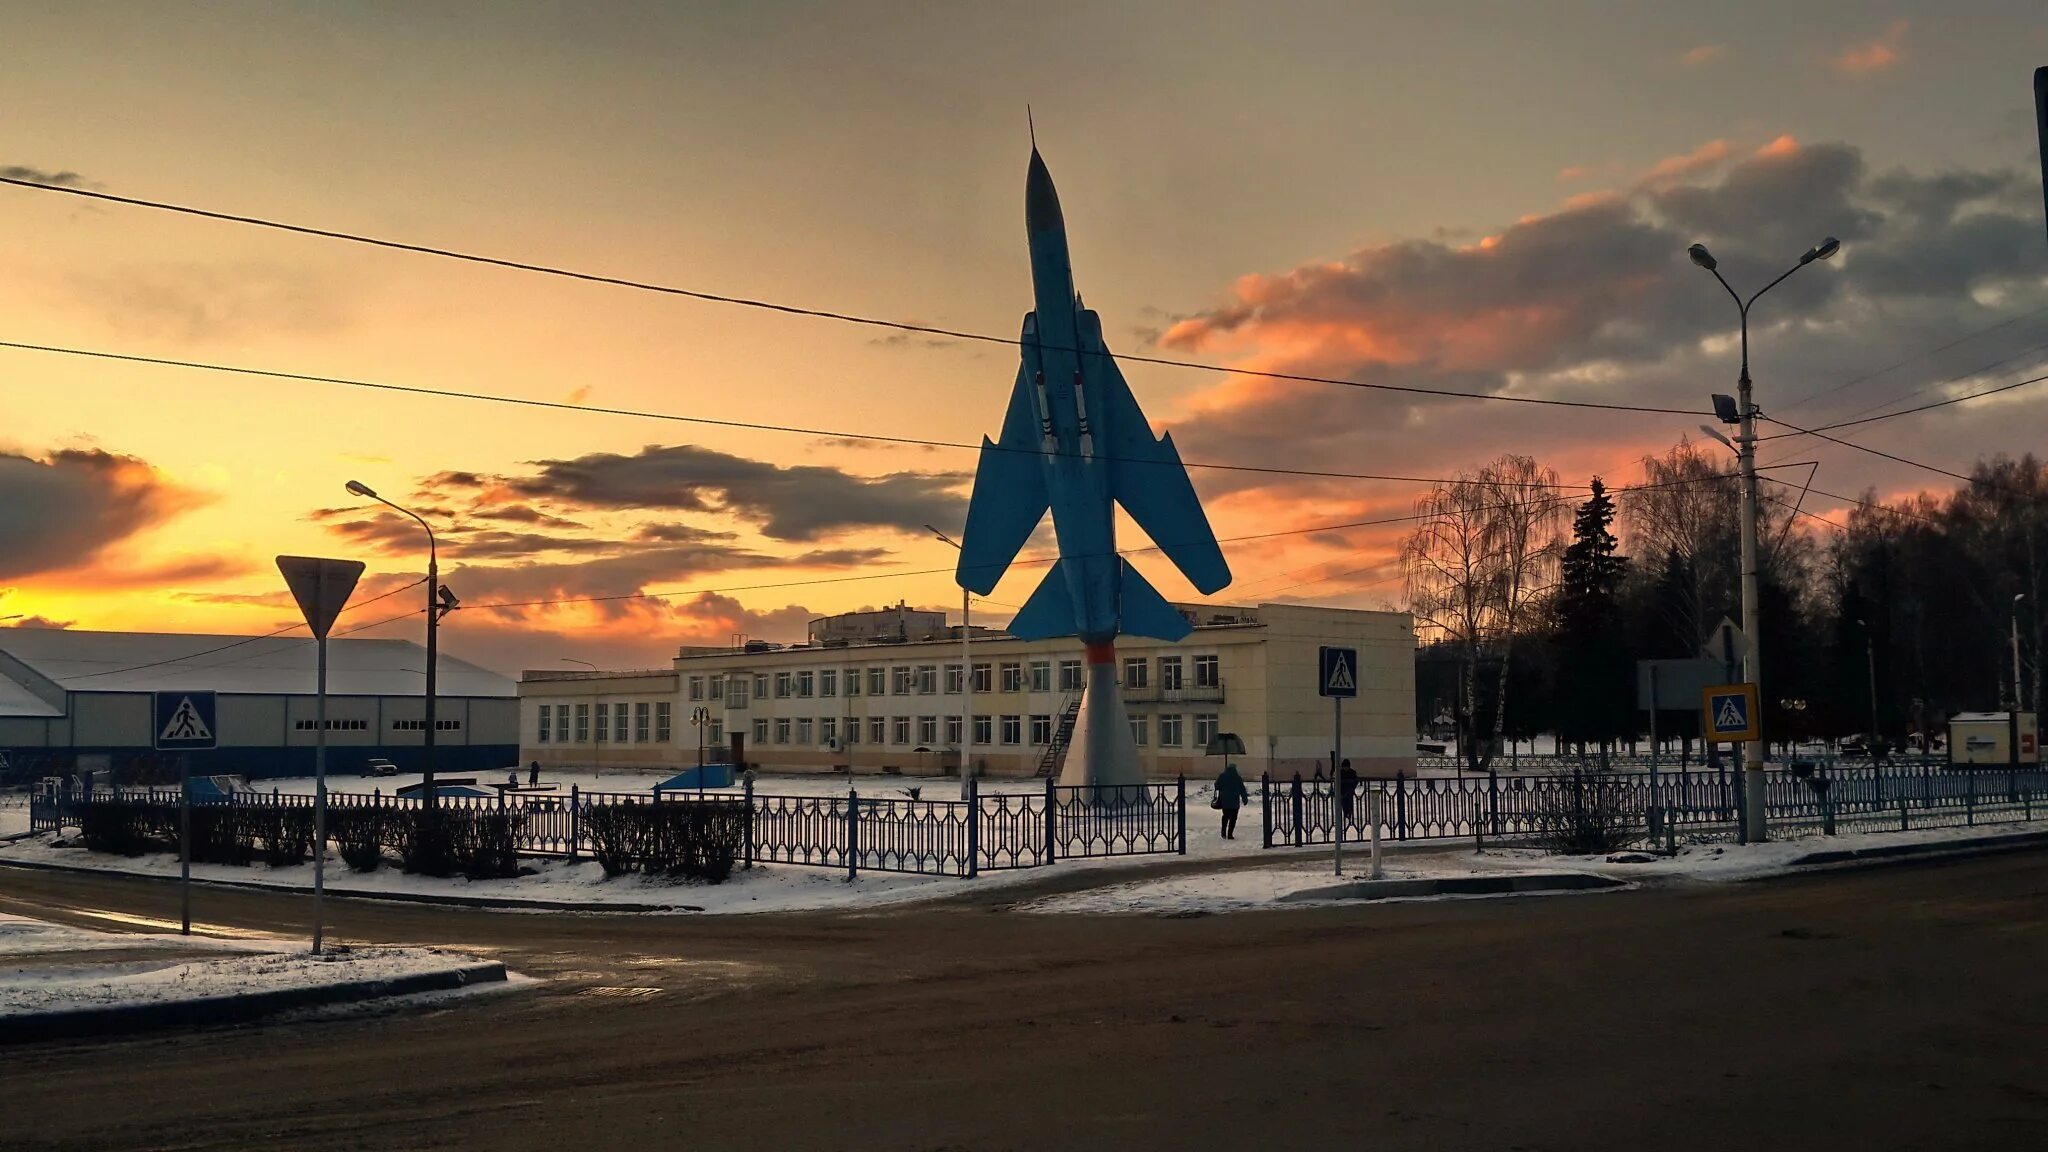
x: 13, y: 821
x: 55, y: 968
x: 1305, y: 869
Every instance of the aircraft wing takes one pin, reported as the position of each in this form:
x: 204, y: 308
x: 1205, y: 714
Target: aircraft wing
x: 1009, y: 495
x: 1149, y: 479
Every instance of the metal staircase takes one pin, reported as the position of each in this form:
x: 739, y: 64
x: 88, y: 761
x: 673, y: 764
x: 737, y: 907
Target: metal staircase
x: 1062, y: 734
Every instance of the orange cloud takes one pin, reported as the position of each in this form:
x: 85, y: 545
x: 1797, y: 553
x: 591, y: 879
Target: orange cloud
x: 1704, y: 158
x: 1783, y: 146
x: 1703, y: 55
x: 1875, y: 55
x: 1572, y: 173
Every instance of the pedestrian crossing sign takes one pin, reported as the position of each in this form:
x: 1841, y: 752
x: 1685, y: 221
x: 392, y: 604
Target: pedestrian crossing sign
x: 1728, y: 714
x: 1337, y: 672
x: 184, y: 721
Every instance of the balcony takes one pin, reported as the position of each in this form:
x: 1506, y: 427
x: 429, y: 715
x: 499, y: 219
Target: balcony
x: 1185, y: 694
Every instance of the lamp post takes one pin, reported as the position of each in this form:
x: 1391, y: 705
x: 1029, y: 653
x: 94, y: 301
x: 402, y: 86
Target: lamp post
x: 1870, y: 658
x: 2012, y: 730
x: 440, y: 602
x: 1743, y: 413
x: 966, y: 678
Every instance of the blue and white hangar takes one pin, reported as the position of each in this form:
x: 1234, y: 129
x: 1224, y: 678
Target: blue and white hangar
x: 75, y: 701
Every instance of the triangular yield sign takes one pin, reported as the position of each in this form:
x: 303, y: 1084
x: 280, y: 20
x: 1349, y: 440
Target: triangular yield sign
x: 322, y: 587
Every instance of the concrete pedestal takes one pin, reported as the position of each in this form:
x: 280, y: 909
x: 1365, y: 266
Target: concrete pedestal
x: 1101, y: 751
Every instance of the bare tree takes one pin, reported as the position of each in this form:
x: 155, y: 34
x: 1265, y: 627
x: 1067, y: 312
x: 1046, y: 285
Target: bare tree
x: 1484, y: 553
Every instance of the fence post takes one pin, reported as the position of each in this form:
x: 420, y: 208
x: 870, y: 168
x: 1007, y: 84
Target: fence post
x: 1902, y: 814
x: 575, y: 820
x: 1266, y: 809
x: 1051, y: 814
x: 1970, y: 804
x: 747, y: 791
x: 1294, y: 802
x: 1180, y: 803
x: 973, y: 827
x: 1493, y: 799
x: 1400, y: 805
x: 852, y: 833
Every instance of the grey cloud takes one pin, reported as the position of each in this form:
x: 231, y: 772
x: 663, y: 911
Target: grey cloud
x: 797, y: 503
x: 62, y: 179
x: 63, y: 510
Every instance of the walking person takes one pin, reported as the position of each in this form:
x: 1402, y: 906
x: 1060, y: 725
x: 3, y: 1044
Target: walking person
x: 1230, y: 796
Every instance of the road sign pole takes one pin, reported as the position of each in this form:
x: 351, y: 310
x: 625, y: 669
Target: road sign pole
x: 184, y: 844
x: 319, y: 789
x: 1337, y: 796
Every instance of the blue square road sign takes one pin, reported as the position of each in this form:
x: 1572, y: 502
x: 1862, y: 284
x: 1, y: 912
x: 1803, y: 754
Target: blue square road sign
x: 1337, y: 672
x: 1728, y: 713
x: 184, y: 721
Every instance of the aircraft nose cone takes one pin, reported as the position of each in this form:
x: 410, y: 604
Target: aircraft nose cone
x: 1041, y: 201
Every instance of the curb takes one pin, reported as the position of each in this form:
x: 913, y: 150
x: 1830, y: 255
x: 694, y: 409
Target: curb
x: 213, y: 1010
x: 1891, y: 853
x: 1457, y: 886
x: 451, y: 901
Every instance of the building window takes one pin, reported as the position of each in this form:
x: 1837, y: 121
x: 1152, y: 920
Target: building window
x: 715, y: 689
x: 396, y: 725
x: 927, y: 730
x: 899, y: 680
x: 984, y: 678
x: 1013, y: 729
x: 984, y: 731
x: 878, y: 681
x: 641, y: 712
x: 852, y: 729
x: 782, y: 685
x: 1169, y: 673
x: 547, y: 719
x: 1134, y: 672
x: 952, y: 730
x: 760, y: 685
x: 1205, y: 728
x: 1138, y: 731
x: 927, y: 679
x: 1070, y: 675
x: 805, y: 682
x: 583, y: 723
x: 664, y: 726
x: 696, y: 687
x: 364, y: 725
x: 761, y: 730
x: 1041, y: 675
x: 952, y: 679
x: 803, y: 730
x: 714, y: 732
x: 828, y: 682
x: 828, y: 730
x: 561, y: 724
x: 853, y: 681
x: 1207, y: 675
x: 899, y: 730
x: 1013, y: 676
x: 782, y: 729
x: 878, y: 730
x: 1041, y: 730
x: 1169, y: 731
x: 619, y: 719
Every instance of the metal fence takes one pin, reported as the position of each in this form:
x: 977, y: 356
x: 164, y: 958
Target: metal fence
x: 857, y: 833
x: 1694, y: 805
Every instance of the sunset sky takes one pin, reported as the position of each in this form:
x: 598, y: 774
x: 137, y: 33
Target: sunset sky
x: 1491, y: 198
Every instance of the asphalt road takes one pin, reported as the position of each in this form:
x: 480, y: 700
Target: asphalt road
x: 1901, y: 1008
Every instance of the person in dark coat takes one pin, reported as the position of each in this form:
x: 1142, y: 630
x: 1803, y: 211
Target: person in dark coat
x: 1230, y: 796
x: 533, y: 774
x: 1347, y: 787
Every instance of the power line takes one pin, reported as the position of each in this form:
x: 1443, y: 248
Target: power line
x: 1873, y: 374
x: 1872, y: 451
x: 676, y: 417
x: 253, y: 639
x: 1901, y: 412
x: 797, y: 310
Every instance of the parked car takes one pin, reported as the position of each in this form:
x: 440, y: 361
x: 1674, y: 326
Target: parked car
x: 380, y: 767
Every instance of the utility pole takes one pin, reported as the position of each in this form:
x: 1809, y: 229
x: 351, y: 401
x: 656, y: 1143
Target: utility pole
x: 440, y: 602
x: 2012, y: 730
x: 966, y: 678
x: 1744, y: 416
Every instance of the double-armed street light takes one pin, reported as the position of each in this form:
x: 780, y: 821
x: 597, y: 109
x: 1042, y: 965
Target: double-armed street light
x: 1742, y: 411
x: 966, y: 677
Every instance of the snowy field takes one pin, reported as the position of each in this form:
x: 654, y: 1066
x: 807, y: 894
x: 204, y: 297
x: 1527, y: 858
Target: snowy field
x: 55, y: 968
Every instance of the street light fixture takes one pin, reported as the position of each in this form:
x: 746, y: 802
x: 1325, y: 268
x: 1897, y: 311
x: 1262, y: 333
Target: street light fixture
x: 1745, y: 452
x: 440, y: 602
x: 966, y: 677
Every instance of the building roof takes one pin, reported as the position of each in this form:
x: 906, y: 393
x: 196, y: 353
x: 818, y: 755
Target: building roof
x: 81, y: 661
x: 17, y: 701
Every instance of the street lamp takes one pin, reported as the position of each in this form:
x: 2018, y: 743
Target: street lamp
x: 440, y: 602
x: 966, y: 677
x: 1745, y: 452
x: 1870, y: 655
x: 2012, y: 731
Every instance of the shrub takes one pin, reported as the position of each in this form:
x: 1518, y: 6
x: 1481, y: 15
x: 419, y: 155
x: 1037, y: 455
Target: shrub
x: 1585, y: 814
x: 286, y: 834
x: 360, y: 833
x: 123, y: 827
x: 685, y: 838
x: 482, y: 844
